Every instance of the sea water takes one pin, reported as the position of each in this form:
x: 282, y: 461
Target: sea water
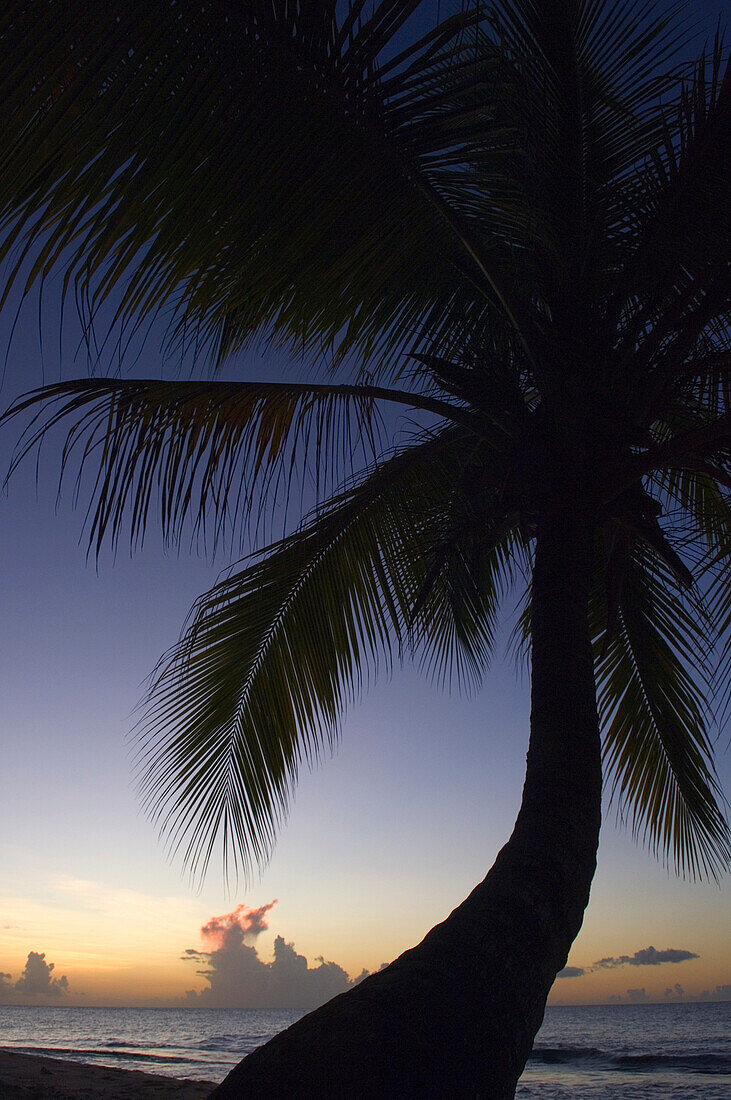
x: 632, y: 1052
x: 667, y: 1052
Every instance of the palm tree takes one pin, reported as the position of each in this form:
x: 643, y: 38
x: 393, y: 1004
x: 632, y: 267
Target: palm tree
x: 512, y: 220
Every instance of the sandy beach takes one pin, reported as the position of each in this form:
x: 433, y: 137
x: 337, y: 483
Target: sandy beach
x: 25, y: 1075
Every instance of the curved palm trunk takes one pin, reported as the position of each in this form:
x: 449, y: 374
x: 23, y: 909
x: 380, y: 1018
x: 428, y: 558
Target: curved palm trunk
x: 456, y: 1015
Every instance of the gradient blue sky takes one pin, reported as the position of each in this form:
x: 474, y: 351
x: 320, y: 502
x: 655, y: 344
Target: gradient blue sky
x: 382, y: 841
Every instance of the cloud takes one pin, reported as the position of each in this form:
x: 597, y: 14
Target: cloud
x: 36, y: 978
x: 250, y: 922
x: 192, y: 955
x: 647, y: 956
x: 237, y: 977
x: 720, y: 993
x: 650, y: 956
x: 675, y: 992
x: 35, y: 981
x: 571, y: 972
x: 634, y: 996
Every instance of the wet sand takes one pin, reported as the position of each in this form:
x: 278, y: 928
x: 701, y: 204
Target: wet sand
x: 25, y: 1075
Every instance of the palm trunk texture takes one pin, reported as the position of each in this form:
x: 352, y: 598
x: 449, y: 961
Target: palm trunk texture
x: 456, y: 1016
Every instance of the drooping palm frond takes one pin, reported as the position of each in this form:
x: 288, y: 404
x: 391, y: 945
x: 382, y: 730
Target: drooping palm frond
x: 205, y: 452
x: 126, y: 125
x: 274, y: 653
x: 654, y: 661
x: 653, y: 678
x: 715, y: 572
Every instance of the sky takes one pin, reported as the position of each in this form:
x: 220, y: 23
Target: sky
x: 382, y: 840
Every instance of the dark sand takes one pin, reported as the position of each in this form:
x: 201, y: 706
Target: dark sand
x: 25, y: 1075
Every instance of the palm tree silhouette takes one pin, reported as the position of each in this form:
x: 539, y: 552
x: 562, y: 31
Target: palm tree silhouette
x: 512, y: 220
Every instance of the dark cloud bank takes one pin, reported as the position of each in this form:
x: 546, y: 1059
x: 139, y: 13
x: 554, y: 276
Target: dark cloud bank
x: 35, y: 982
x: 238, y: 978
x: 648, y: 956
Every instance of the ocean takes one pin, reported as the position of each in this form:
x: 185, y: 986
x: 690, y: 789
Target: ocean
x: 601, y: 1052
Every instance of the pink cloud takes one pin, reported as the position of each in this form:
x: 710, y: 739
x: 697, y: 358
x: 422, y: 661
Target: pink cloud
x: 250, y: 921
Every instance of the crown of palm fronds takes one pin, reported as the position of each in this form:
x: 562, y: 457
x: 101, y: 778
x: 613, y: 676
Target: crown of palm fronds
x: 520, y: 212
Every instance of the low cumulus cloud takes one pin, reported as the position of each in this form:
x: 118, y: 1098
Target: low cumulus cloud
x: 237, y: 977
x: 720, y: 993
x: 35, y: 982
x: 647, y: 956
x: 571, y: 972
x: 674, y: 993
x: 633, y: 996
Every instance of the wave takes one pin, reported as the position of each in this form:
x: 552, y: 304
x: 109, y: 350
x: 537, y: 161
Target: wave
x: 242, y: 1043
x: 84, y: 1053
x: 211, y: 1043
x: 681, y: 1063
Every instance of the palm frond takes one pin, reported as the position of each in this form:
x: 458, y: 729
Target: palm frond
x: 206, y: 452
x: 699, y: 512
x: 653, y: 677
x: 715, y: 571
x: 274, y: 653
x: 125, y: 127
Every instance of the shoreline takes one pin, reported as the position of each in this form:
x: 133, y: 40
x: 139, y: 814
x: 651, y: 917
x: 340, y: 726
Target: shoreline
x: 35, y: 1075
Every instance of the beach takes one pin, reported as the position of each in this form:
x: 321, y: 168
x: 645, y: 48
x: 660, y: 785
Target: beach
x: 26, y: 1075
